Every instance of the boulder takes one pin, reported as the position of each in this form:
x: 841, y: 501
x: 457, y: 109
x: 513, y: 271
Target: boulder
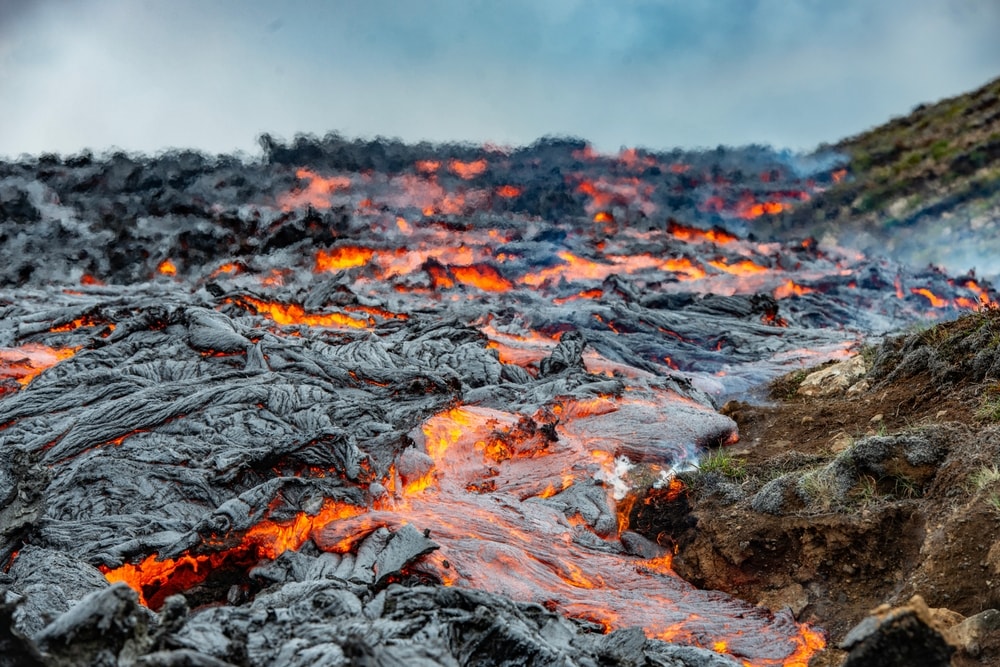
x: 902, y: 636
x: 833, y: 379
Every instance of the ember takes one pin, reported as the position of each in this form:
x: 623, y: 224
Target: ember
x: 385, y: 385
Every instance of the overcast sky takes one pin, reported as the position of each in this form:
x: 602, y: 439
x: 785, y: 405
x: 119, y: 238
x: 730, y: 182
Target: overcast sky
x: 146, y: 75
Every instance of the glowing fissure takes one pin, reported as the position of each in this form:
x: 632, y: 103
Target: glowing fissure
x: 155, y: 579
x: 288, y: 314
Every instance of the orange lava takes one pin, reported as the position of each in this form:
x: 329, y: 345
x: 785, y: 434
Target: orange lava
x: 765, y: 208
x: 25, y: 362
x: 428, y: 166
x: 80, y: 322
x: 155, y: 580
x: 338, y: 259
x: 741, y: 268
x: 595, y: 293
x: 934, y: 299
x: 695, y: 235
x: 481, y: 276
x: 275, y: 278
x: 521, y: 350
x: 508, y: 191
x: 440, y: 277
x: 467, y: 170
x: 605, y: 193
x: 167, y: 268
x: 630, y: 158
x: 476, y: 499
x: 317, y: 192
x: 378, y: 312
x: 685, y: 266
x: 791, y: 288
x: 981, y: 295
x: 494, y: 545
x: 292, y: 313
x: 229, y: 267
x: 809, y: 642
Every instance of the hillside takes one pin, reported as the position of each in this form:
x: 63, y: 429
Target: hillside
x: 865, y: 482
x: 924, y: 187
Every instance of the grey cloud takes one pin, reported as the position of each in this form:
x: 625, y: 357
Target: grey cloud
x: 146, y: 76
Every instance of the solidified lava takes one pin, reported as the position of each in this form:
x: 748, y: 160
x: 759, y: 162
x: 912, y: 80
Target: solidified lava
x: 395, y: 401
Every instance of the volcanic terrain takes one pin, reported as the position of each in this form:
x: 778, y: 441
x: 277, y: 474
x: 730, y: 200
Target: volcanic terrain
x: 363, y: 402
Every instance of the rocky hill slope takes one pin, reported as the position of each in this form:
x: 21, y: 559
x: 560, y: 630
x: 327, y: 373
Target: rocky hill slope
x: 923, y: 187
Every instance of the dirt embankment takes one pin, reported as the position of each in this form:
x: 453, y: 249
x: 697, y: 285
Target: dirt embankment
x: 877, y: 482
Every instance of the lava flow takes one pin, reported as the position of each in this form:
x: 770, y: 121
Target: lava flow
x: 485, y: 483
x: 370, y: 390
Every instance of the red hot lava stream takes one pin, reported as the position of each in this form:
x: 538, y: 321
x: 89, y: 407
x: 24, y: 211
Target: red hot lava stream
x: 488, y: 491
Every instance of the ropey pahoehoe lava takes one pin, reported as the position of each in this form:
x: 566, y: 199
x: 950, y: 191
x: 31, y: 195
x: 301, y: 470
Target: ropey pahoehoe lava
x: 369, y: 401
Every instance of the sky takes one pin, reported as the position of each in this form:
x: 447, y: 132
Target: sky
x: 143, y: 75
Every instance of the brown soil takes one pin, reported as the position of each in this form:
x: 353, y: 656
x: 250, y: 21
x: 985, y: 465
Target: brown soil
x: 897, y: 527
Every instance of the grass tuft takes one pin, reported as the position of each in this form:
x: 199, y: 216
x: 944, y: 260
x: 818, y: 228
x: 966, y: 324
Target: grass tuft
x: 989, y: 406
x: 820, y: 488
x: 867, y: 493
x: 984, y: 477
x: 993, y: 500
x: 724, y: 463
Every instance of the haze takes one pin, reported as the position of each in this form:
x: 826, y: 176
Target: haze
x: 145, y: 76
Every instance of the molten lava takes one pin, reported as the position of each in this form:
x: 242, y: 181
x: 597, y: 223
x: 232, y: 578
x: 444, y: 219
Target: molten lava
x: 167, y: 268
x: 481, y: 276
x: 338, y: 259
x: 489, y: 499
x: 155, y: 580
x: 317, y: 192
x: 287, y: 314
x: 695, y: 235
x: 23, y: 364
x: 428, y: 166
x: 933, y: 298
x: 508, y: 191
x: 741, y: 267
x: 791, y: 288
x: 532, y: 496
x: 467, y: 170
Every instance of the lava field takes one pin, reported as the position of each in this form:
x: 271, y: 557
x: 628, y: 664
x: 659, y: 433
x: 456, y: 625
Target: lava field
x: 362, y: 402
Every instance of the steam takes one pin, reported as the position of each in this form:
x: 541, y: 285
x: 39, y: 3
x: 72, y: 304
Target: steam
x: 616, y: 477
x: 811, y: 164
